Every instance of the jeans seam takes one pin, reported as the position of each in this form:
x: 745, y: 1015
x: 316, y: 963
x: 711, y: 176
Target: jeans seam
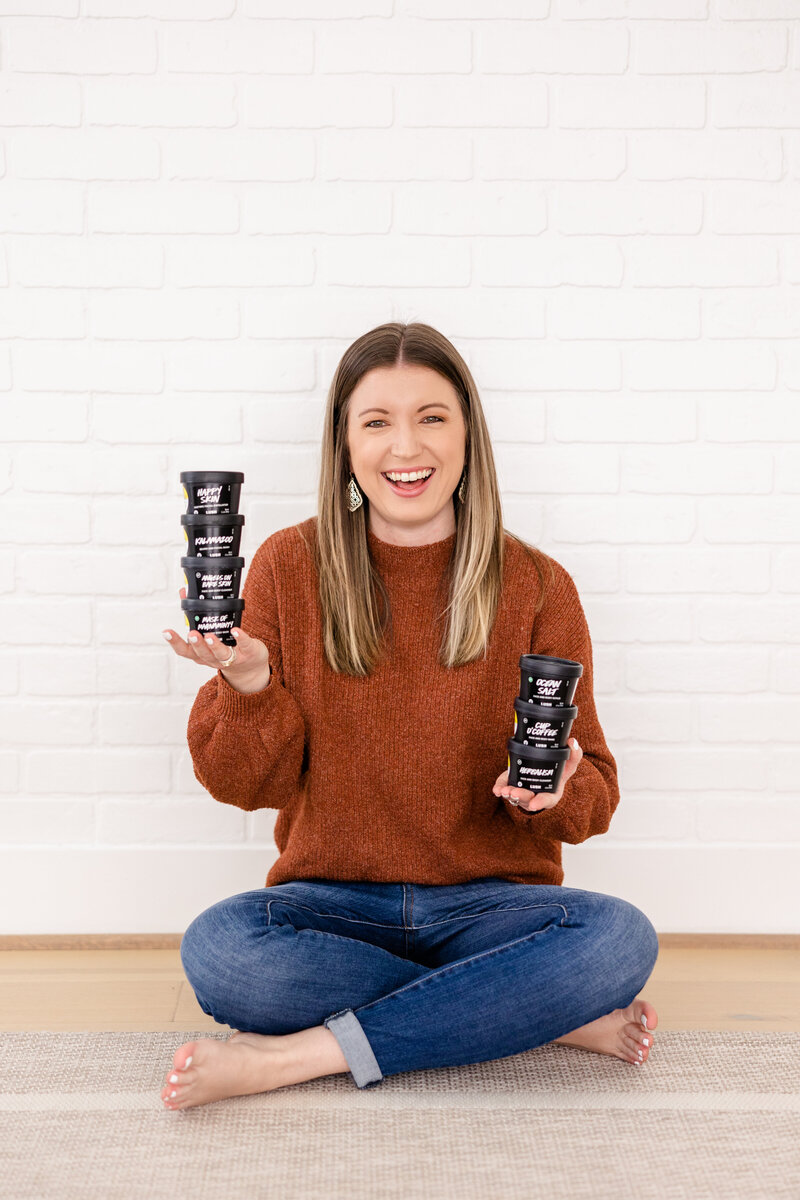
x: 451, y: 966
x: 494, y: 912
x: 405, y: 925
x: 444, y: 921
x: 410, y: 951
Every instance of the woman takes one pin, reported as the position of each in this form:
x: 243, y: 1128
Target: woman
x: 416, y: 915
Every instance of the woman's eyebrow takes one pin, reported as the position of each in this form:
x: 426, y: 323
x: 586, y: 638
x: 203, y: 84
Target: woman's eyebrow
x: 422, y: 407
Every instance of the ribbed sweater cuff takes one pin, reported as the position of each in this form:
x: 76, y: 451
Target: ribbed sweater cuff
x: 239, y: 706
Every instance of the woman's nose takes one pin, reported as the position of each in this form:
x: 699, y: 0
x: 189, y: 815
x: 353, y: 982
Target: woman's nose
x: 407, y: 438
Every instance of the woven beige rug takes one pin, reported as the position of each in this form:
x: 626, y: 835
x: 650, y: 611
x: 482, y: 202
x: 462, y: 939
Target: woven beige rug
x: 712, y: 1115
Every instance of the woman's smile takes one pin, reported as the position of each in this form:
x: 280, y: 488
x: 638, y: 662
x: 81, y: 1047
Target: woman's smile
x: 415, y: 488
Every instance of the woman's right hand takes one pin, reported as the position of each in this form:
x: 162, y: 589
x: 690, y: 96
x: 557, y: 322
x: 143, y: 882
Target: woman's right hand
x: 248, y: 673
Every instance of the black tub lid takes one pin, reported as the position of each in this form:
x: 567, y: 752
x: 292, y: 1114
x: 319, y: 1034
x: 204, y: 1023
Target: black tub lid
x: 204, y: 520
x: 552, y: 754
x: 552, y: 668
x: 212, y: 477
x: 194, y: 563
x: 212, y: 606
x: 541, y: 712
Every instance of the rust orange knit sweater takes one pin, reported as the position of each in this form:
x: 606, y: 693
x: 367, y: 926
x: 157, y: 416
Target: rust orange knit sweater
x: 389, y: 778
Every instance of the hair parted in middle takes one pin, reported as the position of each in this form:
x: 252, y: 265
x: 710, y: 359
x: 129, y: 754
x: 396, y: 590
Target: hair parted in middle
x: 354, y: 602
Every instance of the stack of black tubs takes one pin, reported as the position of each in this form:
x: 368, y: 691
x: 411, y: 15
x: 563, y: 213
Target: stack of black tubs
x: 543, y: 716
x: 212, y: 527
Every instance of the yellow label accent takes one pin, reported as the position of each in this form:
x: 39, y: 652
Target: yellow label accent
x: 515, y: 720
x: 508, y: 768
x: 185, y: 494
x: 186, y: 619
x: 185, y: 536
x: 185, y: 581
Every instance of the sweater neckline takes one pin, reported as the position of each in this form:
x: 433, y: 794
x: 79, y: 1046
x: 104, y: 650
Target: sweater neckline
x: 432, y: 554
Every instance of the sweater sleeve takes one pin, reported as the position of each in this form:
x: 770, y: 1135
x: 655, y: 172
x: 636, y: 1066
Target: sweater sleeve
x: 247, y: 750
x: 592, y: 794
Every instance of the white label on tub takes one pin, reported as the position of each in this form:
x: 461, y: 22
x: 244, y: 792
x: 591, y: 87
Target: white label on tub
x: 215, y: 580
x: 541, y: 727
x: 222, y: 539
x: 209, y: 495
x: 548, y: 686
x: 537, y: 771
x: 210, y: 623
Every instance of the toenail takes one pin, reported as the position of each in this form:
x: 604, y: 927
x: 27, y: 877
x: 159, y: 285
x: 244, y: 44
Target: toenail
x: 188, y: 1062
x: 645, y: 1041
x: 173, y: 1078
x: 172, y: 1094
x: 644, y: 1020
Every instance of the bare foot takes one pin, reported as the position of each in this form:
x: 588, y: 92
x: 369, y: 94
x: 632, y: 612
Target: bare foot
x: 209, y: 1070
x: 620, y: 1033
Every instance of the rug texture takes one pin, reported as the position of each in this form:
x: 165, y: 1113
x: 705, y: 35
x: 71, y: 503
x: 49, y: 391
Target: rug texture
x: 713, y: 1115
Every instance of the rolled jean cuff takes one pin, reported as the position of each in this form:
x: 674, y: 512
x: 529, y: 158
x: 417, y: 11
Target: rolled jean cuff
x: 346, y: 1028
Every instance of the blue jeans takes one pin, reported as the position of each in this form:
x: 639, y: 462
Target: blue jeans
x: 409, y: 976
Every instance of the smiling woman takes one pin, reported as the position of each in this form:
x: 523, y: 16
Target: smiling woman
x: 403, y: 401
x: 411, y: 450
x: 394, y: 621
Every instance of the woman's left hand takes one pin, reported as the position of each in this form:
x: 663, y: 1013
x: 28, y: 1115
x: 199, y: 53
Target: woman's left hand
x: 540, y: 799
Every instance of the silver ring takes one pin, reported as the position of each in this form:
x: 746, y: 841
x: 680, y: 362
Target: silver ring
x: 229, y: 660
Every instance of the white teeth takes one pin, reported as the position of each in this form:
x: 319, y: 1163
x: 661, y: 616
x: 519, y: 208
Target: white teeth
x: 407, y: 476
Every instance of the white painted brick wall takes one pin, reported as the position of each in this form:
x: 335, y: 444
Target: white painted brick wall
x: 204, y: 204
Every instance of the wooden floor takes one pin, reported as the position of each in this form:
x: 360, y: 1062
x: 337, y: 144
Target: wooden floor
x: 145, y: 989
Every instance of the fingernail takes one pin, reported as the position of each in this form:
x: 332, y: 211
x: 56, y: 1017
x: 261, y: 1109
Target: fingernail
x: 210, y: 641
x: 188, y: 1062
x: 193, y: 637
x: 168, y: 636
x: 236, y: 632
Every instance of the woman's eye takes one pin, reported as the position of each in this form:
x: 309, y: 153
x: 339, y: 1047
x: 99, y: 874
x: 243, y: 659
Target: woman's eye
x: 378, y: 421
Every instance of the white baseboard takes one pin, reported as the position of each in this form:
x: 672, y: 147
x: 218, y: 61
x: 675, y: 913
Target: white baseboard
x: 682, y: 889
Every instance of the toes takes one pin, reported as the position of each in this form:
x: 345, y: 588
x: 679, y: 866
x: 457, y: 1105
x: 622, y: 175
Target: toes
x: 174, y: 1097
x: 184, y: 1055
x: 637, y: 1036
x: 650, y: 1016
x: 635, y: 1050
x: 170, y: 1097
x: 178, y: 1083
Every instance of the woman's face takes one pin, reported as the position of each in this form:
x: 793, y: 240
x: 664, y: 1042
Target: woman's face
x: 407, y: 419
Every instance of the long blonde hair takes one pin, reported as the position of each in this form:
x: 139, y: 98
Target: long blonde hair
x: 351, y: 590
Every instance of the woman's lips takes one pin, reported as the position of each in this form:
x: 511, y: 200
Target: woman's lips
x: 406, y: 491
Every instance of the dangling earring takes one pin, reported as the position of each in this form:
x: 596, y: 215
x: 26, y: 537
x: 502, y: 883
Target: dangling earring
x: 463, y: 488
x: 354, y: 497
